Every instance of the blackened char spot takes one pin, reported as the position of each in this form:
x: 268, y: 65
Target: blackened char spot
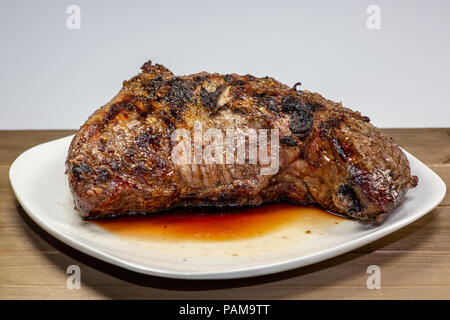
x: 294, y: 87
x: 288, y: 141
x: 227, y: 78
x: 326, y: 128
x: 147, y: 139
x: 266, y: 99
x: 315, y: 107
x: 272, y: 105
x: 103, y: 175
x: 414, y: 181
x: 259, y: 95
x: 301, y: 116
x: 233, y: 81
x: 209, y: 99
x: 300, y: 123
x: 290, y: 104
x: 78, y: 170
x: 200, y: 78
x: 180, y: 92
x: 349, y: 199
x: 143, y: 106
x: 167, y: 119
x: 154, y: 85
x: 156, y: 68
x: 175, y: 112
x: 116, y: 108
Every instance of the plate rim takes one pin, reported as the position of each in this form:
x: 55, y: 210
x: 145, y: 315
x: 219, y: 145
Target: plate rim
x: 234, y: 273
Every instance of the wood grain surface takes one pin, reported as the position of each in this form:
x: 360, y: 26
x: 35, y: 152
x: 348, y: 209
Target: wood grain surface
x: 414, y: 261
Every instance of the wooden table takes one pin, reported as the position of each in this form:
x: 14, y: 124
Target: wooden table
x: 414, y: 261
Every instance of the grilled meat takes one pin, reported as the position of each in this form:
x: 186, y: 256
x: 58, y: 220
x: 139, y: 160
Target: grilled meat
x: 121, y: 161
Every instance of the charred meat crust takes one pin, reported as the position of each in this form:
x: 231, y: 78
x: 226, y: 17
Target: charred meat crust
x: 120, y: 160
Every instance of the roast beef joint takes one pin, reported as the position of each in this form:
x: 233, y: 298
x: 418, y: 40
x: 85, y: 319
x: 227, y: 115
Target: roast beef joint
x: 167, y: 141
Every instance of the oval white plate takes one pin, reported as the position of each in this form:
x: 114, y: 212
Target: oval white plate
x: 38, y: 180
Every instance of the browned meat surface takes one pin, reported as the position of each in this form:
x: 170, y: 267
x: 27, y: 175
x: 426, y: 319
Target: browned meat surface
x: 120, y: 160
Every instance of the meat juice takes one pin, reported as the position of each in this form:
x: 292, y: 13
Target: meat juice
x: 218, y: 224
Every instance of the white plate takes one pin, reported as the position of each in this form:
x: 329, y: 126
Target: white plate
x: 38, y: 180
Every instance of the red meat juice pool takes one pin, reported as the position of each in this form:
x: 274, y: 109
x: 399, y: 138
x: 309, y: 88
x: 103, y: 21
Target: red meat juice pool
x: 219, y: 224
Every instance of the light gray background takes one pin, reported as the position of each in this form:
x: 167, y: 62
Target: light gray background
x: 52, y: 77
